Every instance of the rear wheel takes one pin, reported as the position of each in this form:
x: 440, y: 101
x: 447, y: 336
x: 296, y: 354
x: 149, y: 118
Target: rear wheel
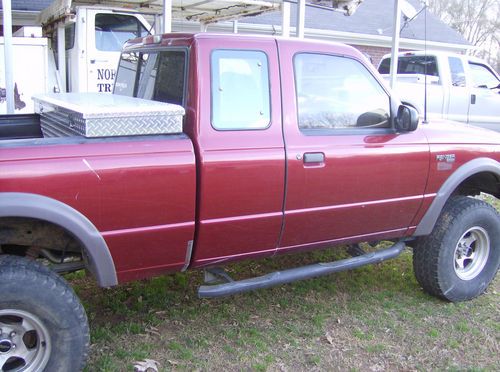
x: 461, y: 256
x: 43, y: 326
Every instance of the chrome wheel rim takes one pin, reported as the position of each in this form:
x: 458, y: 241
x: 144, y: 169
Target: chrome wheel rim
x: 471, y: 253
x: 24, y: 342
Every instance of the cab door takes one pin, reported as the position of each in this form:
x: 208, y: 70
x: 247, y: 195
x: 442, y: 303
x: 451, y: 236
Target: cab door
x: 458, y: 92
x: 107, y: 31
x: 484, y: 108
x: 241, y: 155
x: 350, y: 176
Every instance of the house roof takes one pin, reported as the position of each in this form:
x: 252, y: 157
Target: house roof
x: 373, y: 17
x: 32, y: 5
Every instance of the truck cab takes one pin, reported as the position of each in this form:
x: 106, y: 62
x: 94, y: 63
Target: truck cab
x: 93, y: 39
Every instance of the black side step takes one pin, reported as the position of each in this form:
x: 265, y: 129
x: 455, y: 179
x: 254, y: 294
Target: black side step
x: 299, y: 273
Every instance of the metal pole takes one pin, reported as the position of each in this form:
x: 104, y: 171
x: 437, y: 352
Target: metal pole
x: 8, y: 55
x: 158, y: 26
x: 285, y: 19
x: 301, y: 17
x: 167, y: 16
x: 395, y: 43
x: 61, y: 56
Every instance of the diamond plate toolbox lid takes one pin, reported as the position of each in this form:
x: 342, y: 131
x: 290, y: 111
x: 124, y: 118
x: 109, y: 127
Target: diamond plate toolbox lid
x: 105, y: 115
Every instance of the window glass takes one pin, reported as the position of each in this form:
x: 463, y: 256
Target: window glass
x: 240, y: 90
x: 154, y: 76
x: 337, y: 92
x: 113, y: 30
x: 482, y: 77
x: 457, y: 72
x: 69, y: 35
x: 424, y: 65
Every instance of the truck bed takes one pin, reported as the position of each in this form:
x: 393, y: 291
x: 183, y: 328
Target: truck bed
x: 138, y: 191
x: 20, y: 126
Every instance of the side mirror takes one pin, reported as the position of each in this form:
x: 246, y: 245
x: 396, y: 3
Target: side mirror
x: 406, y: 119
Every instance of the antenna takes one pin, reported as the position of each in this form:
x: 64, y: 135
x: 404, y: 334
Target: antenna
x: 425, y: 63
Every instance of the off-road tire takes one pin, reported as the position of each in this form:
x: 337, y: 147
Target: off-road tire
x: 438, y: 263
x: 34, y: 294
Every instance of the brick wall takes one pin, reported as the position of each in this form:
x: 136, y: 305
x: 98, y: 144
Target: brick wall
x: 375, y: 53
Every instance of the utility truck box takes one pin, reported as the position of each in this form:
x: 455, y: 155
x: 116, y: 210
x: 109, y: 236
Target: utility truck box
x: 97, y: 115
x: 31, y: 72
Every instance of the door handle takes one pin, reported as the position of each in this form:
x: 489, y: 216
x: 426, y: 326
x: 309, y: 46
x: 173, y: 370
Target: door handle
x: 314, y: 158
x: 472, y: 99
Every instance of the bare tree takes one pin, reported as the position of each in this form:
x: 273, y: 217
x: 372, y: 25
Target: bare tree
x: 477, y: 20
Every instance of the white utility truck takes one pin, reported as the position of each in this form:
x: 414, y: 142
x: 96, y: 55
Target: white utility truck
x: 93, y: 38
x: 459, y: 87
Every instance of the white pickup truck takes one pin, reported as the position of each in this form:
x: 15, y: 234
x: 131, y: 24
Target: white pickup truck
x: 459, y: 87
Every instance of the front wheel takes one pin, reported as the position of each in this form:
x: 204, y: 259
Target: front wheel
x: 461, y: 256
x: 43, y: 326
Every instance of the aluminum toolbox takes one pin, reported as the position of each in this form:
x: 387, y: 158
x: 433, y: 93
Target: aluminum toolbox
x: 105, y: 115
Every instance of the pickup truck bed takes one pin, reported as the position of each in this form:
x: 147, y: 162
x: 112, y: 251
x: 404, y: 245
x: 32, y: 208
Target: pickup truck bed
x: 133, y: 189
x: 20, y: 126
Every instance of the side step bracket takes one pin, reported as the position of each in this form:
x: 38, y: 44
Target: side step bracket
x: 300, y: 273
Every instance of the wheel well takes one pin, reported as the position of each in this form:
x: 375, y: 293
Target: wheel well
x: 77, y: 231
x: 486, y: 182
x: 37, y: 238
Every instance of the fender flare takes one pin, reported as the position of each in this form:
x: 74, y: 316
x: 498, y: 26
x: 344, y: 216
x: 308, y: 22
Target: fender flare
x: 465, y: 171
x: 16, y: 204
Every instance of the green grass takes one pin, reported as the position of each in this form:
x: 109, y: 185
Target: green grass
x: 375, y: 317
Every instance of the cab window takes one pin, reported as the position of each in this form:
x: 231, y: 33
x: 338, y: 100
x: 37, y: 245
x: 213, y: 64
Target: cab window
x: 482, y: 76
x: 113, y: 30
x: 336, y: 92
x: 157, y: 75
x: 240, y: 90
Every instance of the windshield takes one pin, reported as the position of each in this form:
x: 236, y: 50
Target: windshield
x: 157, y: 76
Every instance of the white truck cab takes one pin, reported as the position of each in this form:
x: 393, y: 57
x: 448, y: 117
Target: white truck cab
x: 459, y: 87
x: 94, y: 37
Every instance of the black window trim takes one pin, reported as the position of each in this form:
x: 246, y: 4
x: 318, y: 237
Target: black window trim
x: 269, y: 124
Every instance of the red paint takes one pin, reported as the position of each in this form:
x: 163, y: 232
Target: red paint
x: 243, y: 194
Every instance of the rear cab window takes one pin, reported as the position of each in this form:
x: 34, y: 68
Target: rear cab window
x: 240, y: 90
x: 411, y: 64
x: 158, y: 75
x: 457, y: 72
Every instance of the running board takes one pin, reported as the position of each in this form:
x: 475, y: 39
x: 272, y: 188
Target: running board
x: 300, y: 273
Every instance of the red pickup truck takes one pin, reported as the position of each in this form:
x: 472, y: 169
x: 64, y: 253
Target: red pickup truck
x: 287, y: 146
